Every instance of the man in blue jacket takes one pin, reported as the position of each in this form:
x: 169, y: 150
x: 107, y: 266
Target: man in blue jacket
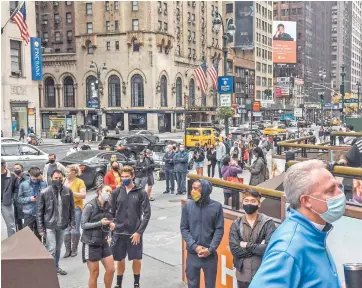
x: 29, y: 191
x: 169, y: 166
x: 181, y: 160
x: 297, y: 255
x: 202, y: 228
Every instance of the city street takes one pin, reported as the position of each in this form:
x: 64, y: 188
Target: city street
x: 162, y: 241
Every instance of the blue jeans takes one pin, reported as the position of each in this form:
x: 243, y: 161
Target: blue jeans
x: 181, y: 182
x: 54, y: 242
x: 7, y: 211
x: 170, y: 181
x: 78, y: 217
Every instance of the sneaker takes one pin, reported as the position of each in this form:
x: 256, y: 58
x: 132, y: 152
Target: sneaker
x: 151, y: 199
x: 166, y: 192
x: 179, y: 193
x: 60, y: 271
x: 136, y: 285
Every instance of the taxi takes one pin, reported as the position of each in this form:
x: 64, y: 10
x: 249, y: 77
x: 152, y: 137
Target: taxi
x: 275, y: 129
x: 204, y: 136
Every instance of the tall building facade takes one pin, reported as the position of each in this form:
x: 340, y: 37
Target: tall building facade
x: 313, y: 46
x: 55, y: 25
x: 19, y: 99
x: 149, y: 51
x: 356, y: 55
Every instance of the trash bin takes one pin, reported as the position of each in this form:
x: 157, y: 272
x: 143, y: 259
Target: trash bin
x: 353, y: 275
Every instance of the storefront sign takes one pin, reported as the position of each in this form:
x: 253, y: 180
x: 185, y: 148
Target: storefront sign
x: 93, y: 103
x: 36, y: 59
x: 298, y: 112
x: 18, y: 109
x: 256, y: 106
x: 225, y: 84
x: 225, y: 100
x: 202, y: 109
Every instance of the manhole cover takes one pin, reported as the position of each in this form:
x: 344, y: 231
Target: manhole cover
x: 175, y: 200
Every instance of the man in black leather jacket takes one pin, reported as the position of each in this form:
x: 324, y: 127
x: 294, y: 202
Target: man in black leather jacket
x: 55, y: 211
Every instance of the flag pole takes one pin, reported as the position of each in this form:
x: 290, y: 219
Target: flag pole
x: 12, y: 15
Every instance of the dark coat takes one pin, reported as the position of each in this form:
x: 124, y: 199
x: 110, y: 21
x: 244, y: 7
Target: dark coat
x: 168, y: 159
x: 211, y: 156
x: 9, y: 190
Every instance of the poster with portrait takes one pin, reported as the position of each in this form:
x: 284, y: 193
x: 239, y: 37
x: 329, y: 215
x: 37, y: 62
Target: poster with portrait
x: 284, y: 42
x: 244, y: 24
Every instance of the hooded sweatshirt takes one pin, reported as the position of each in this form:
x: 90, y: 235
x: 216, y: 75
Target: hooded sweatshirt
x: 202, y: 222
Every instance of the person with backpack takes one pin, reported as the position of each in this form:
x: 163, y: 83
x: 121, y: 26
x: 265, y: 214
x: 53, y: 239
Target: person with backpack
x: 131, y: 211
x: 96, y: 223
x: 258, y: 169
x: 199, y: 158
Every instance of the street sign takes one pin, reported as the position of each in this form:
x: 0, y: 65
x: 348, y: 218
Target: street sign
x: 225, y: 100
x: 93, y: 103
x: 256, y: 106
x: 298, y: 112
x: 351, y: 100
x: 225, y: 84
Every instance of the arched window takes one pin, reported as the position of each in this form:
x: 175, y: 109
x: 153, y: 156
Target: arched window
x: 178, y: 92
x: 68, y: 91
x: 90, y: 88
x: 163, y: 91
x: 49, y: 93
x: 137, y: 95
x: 114, y: 91
x: 192, y: 93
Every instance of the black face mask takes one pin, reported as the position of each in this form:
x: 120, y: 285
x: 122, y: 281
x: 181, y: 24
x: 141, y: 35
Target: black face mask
x: 52, y: 161
x: 57, y: 184
x: 250, y: 208
x: 115, y: 168
x: 17, y: 172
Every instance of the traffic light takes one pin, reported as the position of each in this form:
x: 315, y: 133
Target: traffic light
x: 321, y: 97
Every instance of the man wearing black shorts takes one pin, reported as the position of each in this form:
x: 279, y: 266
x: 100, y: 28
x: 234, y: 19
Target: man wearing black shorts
x: 131, y: 211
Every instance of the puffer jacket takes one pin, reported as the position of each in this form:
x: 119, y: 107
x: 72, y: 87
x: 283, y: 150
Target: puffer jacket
x: 247, y: 260
x: 257, y: 171
x: 47, y: 209
x: 202, y: 222
x: 181, y: 160
x: 230, y: 171
x: 27, y: 190
x: 93, y: 213
x: 297, y: 256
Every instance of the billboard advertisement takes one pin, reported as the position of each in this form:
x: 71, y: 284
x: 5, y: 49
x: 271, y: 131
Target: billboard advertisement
x: 282, y: 86
x: 244, y: 24
x: 284, y: 42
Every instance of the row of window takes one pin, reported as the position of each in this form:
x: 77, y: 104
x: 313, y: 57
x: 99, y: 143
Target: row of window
x: 264, y: 11
x: 265, y: 54
x: 264, y: 68
x: 114, y: 91
x: 293, y: 11
x: 89, y: 7
x: 263, y: 81
x: 264, y: 25
x: 57, y: 19
x: 263, y: 39
x: 135, y: 26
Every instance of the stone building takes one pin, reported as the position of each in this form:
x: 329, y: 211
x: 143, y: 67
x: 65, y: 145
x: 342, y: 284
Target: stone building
x: 19, y: 93
x: 149, y: 50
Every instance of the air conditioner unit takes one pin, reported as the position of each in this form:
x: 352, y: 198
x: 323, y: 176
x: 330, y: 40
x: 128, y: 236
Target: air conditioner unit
x: 45, y: 22
x: 194, y: 56
x: 217, y: 45
x: 161, y: 30
x: 69, y: 39
x: 194, y: 4
x: 190, y: 56
x: 17, y: 73
x: 46, y: 40
x: 165, y: 31
x: 193, y: 22
x: 159, y: 10
x: 190, y: 39
x: 48, y: 50
x: 194, y: 40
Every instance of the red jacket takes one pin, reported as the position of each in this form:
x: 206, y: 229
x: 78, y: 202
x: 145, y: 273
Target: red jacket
x: 110, y: 180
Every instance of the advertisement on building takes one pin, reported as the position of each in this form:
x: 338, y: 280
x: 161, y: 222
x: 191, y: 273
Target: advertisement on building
x: 244, y: 23
x: 284, y: 42
x: 350, y: 102
x: 36, y: 59
x: 282, y: 86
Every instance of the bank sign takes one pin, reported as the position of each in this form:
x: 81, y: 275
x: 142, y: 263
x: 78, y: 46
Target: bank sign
x: 225, y: 84
x: 36, y: 59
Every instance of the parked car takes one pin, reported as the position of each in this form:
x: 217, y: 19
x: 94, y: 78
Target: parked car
x: 93, y: 164
x: 9, y: 140
x: 25, y: 154
x: 133, y: 144
x: 145, y: 133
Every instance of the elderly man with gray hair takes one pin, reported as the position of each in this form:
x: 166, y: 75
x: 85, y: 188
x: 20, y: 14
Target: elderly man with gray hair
x: 297, y: 255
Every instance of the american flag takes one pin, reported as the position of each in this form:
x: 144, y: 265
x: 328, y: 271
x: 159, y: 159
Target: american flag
x: 213, y: 74
x: 201, y: 76
x: 20, y: 20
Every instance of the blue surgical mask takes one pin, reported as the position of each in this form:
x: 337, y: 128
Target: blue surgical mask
x: 105, y: 196
x: 126, y: 182
x: 336, y: 207
x: 35, y: 181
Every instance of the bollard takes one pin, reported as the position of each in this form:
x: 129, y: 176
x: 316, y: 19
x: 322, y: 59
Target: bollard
x: 353, y: 275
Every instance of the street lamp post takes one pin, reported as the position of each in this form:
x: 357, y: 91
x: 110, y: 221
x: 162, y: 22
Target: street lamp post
x: 358, y: 87
x: 322, y: 77
x: 343, y: 74
x: 217, y: 22
x: 98, y: 69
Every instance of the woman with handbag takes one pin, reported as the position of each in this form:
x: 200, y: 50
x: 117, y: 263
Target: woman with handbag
x: 211, y: 161
x: 230, y: 172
